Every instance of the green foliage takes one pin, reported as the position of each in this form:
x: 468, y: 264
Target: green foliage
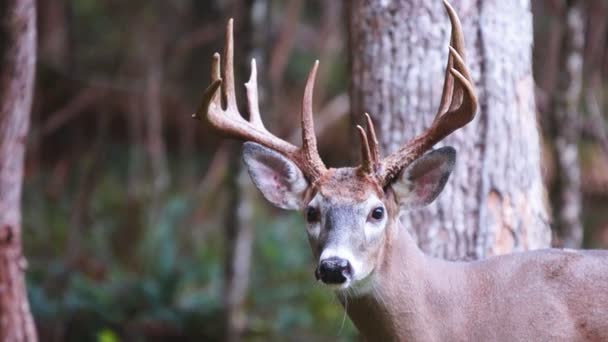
x: 129, y: 264
x: 141, y: 268
x: 107, y: 335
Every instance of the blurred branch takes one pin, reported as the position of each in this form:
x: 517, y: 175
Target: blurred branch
x: 327, y: 45
x: 595, y: 125
x: 333, y: 111
x: 280, y: 53
x: 197, y: 38
x: 215, y: 172
x: 77, y: 104
x: 200, y: 36
x: 86, y: 187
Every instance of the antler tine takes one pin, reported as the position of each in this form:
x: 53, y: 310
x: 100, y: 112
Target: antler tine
x: 228, y: 89
x: 448, y: 90
x: 252, y: 97
x: 231, y: 122
x: 367, y: 163
x: 462, y: 106
x: 309, y: 140
x: 457, y: 107
x: 215, y: 67
x: 456, y: 43
x: 210, y: 94
x: 373, y: 141
x: 369, y: 147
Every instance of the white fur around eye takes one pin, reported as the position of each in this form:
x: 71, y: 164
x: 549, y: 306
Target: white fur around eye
x: 374, y: 228
x: 313, y: 230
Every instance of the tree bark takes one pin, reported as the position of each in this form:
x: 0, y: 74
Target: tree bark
x: 494, y: 202
x: 17, y: 68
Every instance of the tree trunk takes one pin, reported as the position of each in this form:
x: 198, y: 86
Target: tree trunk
x: 239, y: 244
x: 153, y: 108
x: 494, y: 202
x: 17, y: 67
x: 252, y: 15
x: 54, y: 37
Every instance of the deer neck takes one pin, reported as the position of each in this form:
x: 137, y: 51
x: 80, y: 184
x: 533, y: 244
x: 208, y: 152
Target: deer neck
x: 408, y: 295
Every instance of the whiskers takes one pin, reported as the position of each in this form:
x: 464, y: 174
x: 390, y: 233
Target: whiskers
x: 344, y: 293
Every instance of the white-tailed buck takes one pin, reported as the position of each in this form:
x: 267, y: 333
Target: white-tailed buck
x: 396, y: 293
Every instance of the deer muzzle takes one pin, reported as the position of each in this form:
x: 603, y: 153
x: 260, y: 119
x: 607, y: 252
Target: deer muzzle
x: 333, y: 271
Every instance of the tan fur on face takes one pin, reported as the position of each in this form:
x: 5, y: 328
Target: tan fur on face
x: 345, y: 198
x: 348, y: 184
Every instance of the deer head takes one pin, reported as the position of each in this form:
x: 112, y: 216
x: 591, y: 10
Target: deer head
x: 350, y: 213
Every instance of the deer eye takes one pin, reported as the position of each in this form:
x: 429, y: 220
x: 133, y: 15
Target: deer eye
x: 377, y: 213
x: 312, y: 214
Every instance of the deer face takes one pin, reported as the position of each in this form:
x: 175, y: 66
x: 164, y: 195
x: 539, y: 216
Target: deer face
x: 350, y: 217
x: 350, y: 212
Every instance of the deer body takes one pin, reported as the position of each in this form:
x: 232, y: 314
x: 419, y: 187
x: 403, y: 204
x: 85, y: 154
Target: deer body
x: 389, y: 288
x: 544, y: 295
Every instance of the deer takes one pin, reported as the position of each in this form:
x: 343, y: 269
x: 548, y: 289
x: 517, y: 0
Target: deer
x: 395, y: 291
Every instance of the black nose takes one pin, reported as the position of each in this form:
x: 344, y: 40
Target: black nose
x: 333, y: 270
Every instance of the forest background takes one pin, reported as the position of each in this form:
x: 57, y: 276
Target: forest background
x: 129, y: 205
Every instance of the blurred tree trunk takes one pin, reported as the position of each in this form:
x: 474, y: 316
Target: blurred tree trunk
x: 565, y: 122
x: 494, y: 202
x: 148, y: 163
x: 595, y: 51
x: 54, y: 37
x: 17, y: 68
x: 153, y: 108
x: 251, y: 18
x: 239, y: 243
x: 135, y: 133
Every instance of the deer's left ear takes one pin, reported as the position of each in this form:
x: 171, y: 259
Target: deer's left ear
x: 422, y: 181
x: 278, y: 178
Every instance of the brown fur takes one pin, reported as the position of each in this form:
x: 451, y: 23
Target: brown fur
x: 548, y: 295
x: 348, y: 184
x: 400, y: 294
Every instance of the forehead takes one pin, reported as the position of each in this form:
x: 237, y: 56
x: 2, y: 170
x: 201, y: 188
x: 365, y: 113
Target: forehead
x: 347, y: 185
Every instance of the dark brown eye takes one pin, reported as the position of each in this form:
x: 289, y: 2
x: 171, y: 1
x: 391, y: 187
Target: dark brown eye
x: 378, y: 213
x: 312, y: 214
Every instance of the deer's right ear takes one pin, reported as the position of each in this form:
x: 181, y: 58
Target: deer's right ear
x: 278, y: 178
x: 422, y: 181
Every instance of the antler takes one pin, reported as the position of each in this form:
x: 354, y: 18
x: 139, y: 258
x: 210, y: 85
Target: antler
x: 457, y: 108
x: 231, y: 122
x: 370, y: 154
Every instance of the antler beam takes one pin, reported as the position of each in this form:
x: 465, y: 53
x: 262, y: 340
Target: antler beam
x: 230, y: 121
x: 457, y: 108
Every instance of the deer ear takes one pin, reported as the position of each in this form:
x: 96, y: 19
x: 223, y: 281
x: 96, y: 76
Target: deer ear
x: 422, y: 181
x: 278, y: 178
